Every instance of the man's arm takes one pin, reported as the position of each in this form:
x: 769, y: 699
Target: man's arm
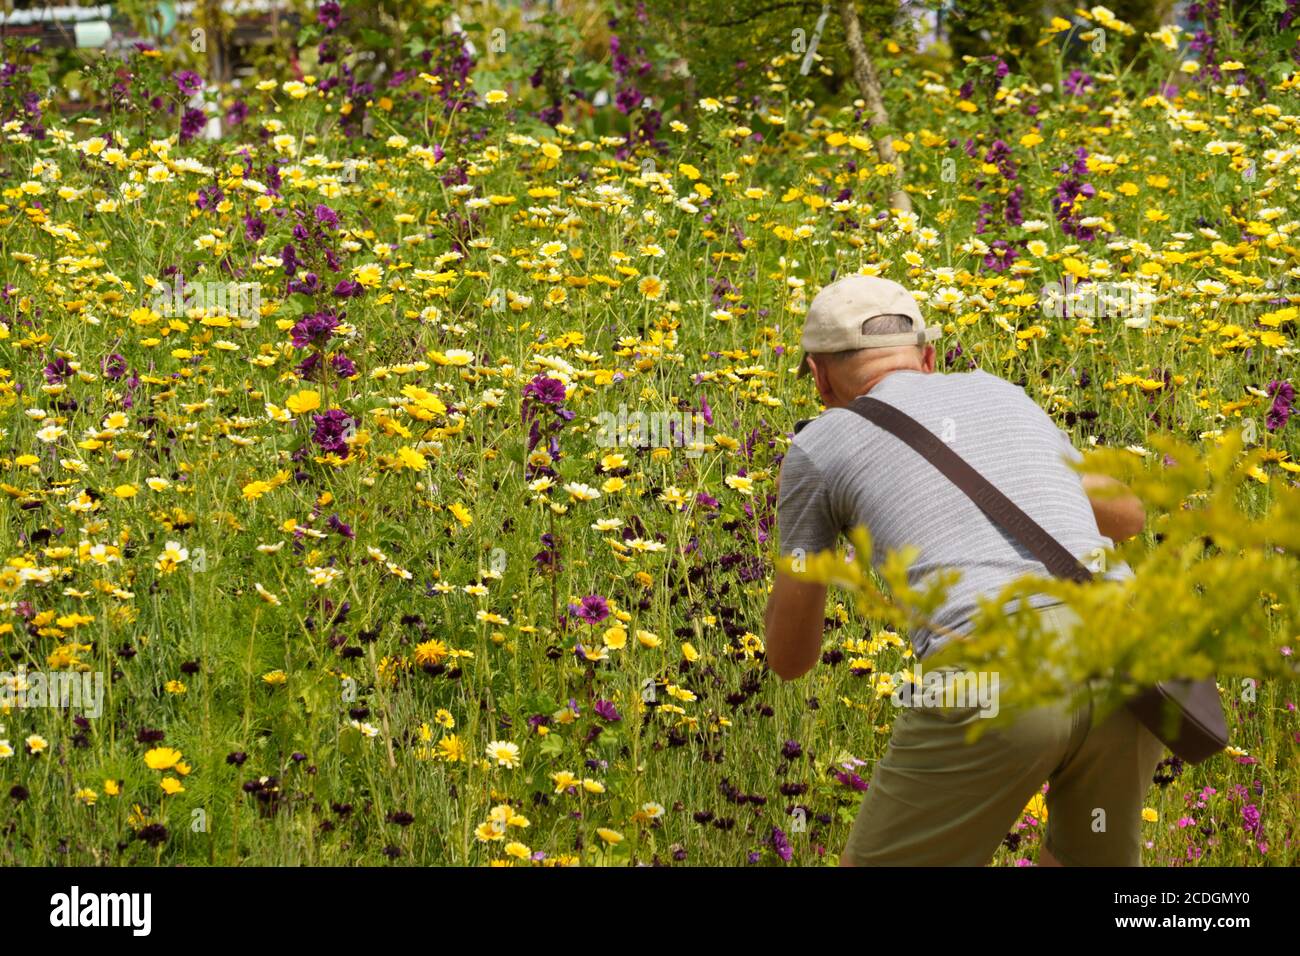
x: 795, y: 609
x: 1119, y: 512
x: 793, y: 626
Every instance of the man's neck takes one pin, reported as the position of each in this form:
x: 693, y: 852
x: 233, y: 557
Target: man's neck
x: 877, y: 379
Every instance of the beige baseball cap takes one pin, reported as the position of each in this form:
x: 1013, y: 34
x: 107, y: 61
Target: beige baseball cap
x: 835, y: 318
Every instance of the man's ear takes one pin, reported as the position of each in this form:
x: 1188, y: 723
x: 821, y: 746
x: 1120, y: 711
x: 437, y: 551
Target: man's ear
x: 822, y: 380
x: 929, y: 358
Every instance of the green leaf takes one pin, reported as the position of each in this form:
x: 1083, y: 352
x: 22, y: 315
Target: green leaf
x: 349, y: 741
x: 592, y: 75
x: 297, y: 304
x: 317, y: 698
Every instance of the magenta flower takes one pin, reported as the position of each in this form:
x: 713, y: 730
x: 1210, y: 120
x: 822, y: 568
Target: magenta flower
x: 607, y: 710
x: 188, y: 82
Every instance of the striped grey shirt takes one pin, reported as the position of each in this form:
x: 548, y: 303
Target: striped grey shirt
x: 842, y: 471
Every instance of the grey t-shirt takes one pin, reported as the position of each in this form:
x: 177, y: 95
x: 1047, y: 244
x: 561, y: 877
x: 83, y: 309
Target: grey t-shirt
x: 842, y: 471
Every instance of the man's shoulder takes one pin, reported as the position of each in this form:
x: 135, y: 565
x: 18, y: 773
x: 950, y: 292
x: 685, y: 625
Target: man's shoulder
x: 829, y: 422
x: 981, y: 379
x: 975, y: 378
x: 822, y: 438
x: 979, y: 383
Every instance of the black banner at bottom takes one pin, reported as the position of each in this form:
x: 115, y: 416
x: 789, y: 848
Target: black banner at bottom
x: 241, y: 905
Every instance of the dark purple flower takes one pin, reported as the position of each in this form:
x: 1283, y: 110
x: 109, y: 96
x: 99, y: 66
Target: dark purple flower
x: 607, y: 711
x: 1077, y: 83
x: 58, y: 370
x: 781, y: 844
x: 254, y: 228
x: 326, y: 216
x: 547, y: 390
x: 113, y: 367
x: 344, y: 367
x: 593, y: 609
x: 314, y: 329
x: 1283, y: 395
x: 188, y: 82
x: 307, y: 285
x: 851, y: 779
x: 332, y: 431
x: 1000, y: 256
x: 548, y: 559
x: 628, y: 98
x: 337, y: 524
x: 329, y: 15
x: 192, y: 123
x: 209, y: 197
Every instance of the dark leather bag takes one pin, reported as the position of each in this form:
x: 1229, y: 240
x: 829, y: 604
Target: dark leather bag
x: 1186, y: 715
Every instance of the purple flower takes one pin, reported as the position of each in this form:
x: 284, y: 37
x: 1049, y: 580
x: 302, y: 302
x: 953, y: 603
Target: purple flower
x: 706, y: 410
x: 1077, y: 83
x: 329, y: 15
x: 607, y: 711
x: 344, y: 367
x: 628, y: 99
x: 114, y: 366
x: 314, y: 329
x: 327, y: 217
x: 851, y: 779
x: 593, y: 609
x: 781, y: 844
x: 1013, y: 214
x: 1283, y: 395
x: 209, y: 197
x: 548, y: 559
x: 547, y: 390
x: 58, y: 370
x: 307, y: 285
x: 1000, y: 256
x: 192, y: 123
x: 332, y: 431
x: 188, y: 82
x: 1068, y: 191
x: 1250, y: 819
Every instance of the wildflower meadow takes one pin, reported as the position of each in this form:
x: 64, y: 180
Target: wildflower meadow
x: 391, y: 414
